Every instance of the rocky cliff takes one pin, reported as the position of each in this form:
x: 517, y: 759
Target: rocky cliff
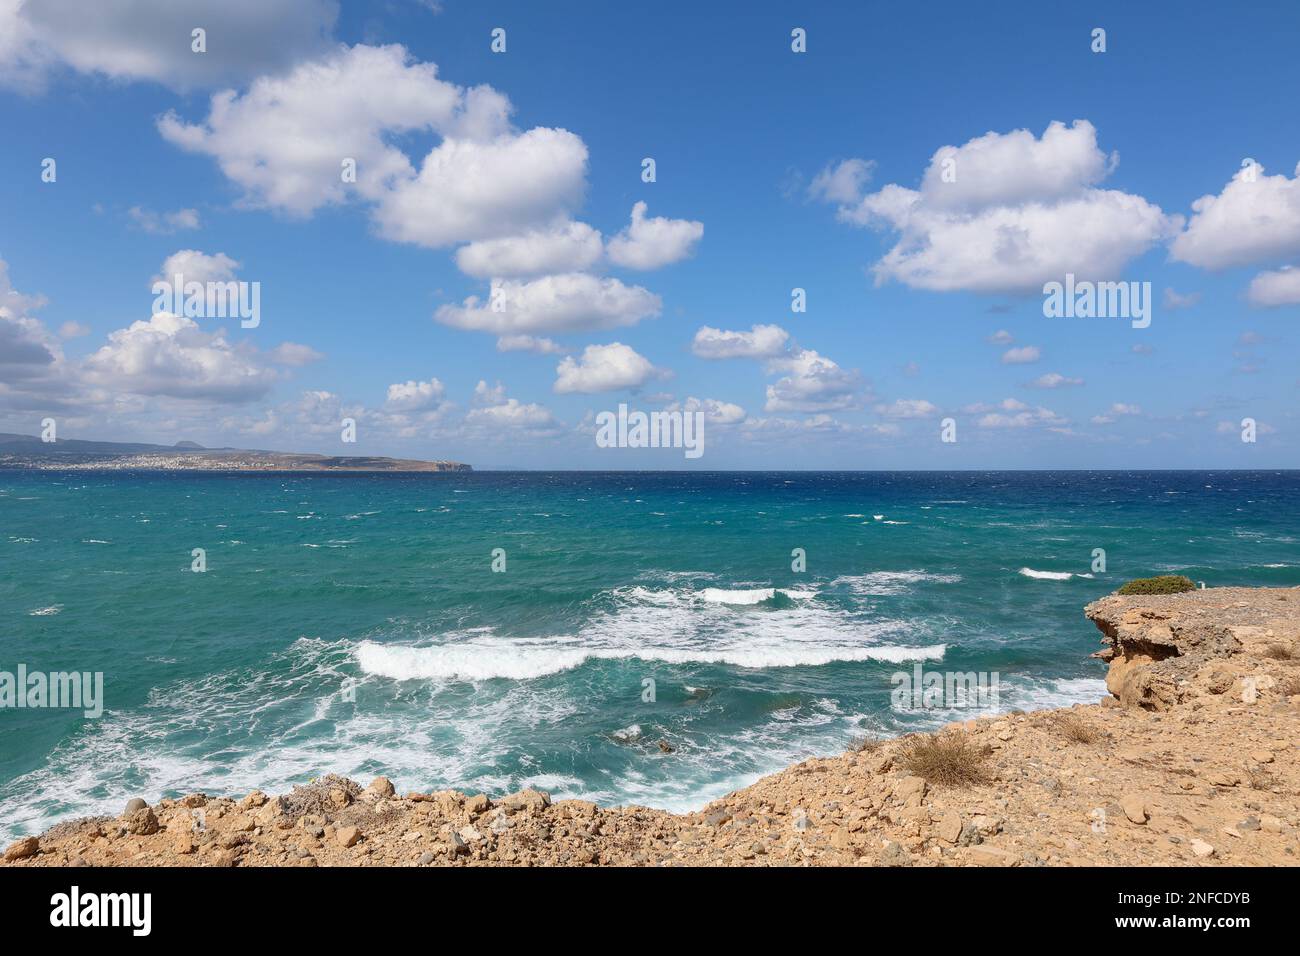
x: 1167, y: 649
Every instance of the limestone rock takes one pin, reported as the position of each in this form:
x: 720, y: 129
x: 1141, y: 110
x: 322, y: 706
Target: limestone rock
x: 526, y: 800
x: 992, y: 856
x: 142, y: 822
x: 22, y: 849
x: 949, y: 828
x: 1134, y: 808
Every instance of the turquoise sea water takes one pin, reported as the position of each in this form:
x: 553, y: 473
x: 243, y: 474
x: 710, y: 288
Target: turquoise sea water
x: 353, y: 623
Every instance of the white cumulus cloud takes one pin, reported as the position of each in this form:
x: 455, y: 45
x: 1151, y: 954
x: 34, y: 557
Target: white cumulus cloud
x: 1022, y: 355
x: 761, y: 341
x: 1005, y: 213
x: 152, y: 39
x: 716, y: 412
x: 196, y: 266
x: 571, y: 302
x: 567, y: 247
x: 605, y: 368
x: 415, y: 396
x: 1280, y: 287
x: 811, y: 383
x: 649, y: 243
x: 170, y: 355
x: 1254, y: 219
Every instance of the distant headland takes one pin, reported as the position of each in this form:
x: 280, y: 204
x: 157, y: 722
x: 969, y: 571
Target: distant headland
x: 28, y: 451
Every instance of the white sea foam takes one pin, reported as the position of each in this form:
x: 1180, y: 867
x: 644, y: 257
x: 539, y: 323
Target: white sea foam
x: 628, y: 734
x: 471, y: 661
x: 890, y: 582
x: 519, y: 660
x: 1051, y: 575
x: 724, y: 596
x: 45, y: 611
x: 1059, y: 692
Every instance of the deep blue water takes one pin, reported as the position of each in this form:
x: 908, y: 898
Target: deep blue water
x: 354, y: 624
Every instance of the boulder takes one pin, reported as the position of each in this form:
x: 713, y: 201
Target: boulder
x: 22, y: 849
x: 529, y: 799
x: 909, y: 790
x: 949, y: 828
x: 142, y: 822
x: 273, y: 812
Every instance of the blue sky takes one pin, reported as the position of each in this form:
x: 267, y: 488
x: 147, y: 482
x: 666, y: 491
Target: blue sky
x: 774, y: 170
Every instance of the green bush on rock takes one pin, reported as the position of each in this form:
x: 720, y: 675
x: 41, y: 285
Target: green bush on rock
x: 1164, y: 584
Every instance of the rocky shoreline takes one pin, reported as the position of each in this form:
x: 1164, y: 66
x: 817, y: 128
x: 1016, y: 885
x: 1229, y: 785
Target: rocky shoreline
x: 1191, y: 761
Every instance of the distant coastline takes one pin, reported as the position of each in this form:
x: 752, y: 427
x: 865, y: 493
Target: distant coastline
x: 29, y: 452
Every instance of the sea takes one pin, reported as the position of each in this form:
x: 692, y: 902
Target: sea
x: 650, y: 638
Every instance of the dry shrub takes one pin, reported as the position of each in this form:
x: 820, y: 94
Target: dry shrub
x: 1260, y: 779
x: 1075, y: 729
x: 1279, y: 652
x: 947, y: 759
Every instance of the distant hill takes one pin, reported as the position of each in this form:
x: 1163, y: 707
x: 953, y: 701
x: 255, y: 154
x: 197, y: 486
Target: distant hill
x: 11, y: 444
x: 28, y: 451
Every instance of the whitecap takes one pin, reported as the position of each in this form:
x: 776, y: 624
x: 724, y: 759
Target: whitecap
x: 1051, y: 575
x: 724, y: 596
x: 475, y: 661
x: 881, y: 583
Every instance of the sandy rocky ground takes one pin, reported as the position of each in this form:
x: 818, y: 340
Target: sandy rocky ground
x: 1193, y: 762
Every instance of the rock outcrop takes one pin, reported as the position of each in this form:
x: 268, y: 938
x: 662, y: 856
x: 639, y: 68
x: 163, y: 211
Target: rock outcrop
x: 1192, y: 762
x: 1165, y: 649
